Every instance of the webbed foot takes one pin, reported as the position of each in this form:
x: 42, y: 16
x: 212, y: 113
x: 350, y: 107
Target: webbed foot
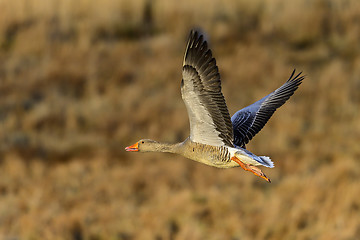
x: 251, y: 168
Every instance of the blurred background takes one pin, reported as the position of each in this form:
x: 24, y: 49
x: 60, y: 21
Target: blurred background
x: 81, y: 80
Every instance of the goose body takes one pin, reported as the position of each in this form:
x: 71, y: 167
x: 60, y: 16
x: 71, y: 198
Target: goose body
x: 216, y: 139
x: 219, y: 156
x: 215, y: 156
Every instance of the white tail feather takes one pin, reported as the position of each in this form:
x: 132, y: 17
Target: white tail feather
x: 267, y: 161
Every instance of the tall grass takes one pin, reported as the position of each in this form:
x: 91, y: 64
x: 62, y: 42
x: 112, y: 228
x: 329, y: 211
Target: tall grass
x: 80, y: 80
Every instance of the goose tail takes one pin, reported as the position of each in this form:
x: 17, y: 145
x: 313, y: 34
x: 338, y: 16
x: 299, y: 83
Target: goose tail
x: 249, y: 158
x: 266, y: 161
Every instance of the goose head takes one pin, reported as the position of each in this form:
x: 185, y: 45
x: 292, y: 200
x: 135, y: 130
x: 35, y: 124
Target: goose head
x: 143, y: 145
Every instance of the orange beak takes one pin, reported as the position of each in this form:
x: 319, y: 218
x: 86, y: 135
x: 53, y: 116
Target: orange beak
x: 133, y: 148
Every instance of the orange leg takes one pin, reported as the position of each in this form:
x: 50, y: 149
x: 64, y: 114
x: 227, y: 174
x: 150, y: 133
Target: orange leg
x: 253, y: 169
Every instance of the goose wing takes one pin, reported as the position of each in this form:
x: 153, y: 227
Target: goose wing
x: 209, y: 118
x: 248, y: 121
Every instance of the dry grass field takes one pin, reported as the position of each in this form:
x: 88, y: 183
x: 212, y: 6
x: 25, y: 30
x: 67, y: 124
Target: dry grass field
x: 80, y: 80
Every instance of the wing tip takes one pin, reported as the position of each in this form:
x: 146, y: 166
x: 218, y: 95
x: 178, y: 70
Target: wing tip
x: 298, y: 78
x: 198, y: 39
x: 197, y: 31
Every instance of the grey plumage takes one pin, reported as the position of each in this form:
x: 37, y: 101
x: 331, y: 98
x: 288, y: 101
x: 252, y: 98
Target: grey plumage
x: 248, y: 121
x: 210, y: 121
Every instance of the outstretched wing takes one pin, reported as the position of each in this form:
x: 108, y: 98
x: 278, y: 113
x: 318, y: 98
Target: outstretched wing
x: 248, y: 121
x: 201, y: 91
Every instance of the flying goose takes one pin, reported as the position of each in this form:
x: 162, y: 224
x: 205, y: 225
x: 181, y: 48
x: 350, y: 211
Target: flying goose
x: 215, y: 138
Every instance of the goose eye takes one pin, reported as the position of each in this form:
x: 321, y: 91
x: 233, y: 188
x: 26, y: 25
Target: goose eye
x: 142, y: 141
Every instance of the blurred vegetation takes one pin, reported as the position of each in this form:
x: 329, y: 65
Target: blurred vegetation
x: 80, y: 80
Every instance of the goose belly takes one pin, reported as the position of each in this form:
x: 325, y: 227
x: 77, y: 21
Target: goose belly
x: 215, y: 156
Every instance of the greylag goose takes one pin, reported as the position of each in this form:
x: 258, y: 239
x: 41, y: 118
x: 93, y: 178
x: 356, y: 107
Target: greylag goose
x: 215, y: 138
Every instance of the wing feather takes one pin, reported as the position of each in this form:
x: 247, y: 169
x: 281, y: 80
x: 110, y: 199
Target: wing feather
x: 209, y: 118
x: 248, y: 121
